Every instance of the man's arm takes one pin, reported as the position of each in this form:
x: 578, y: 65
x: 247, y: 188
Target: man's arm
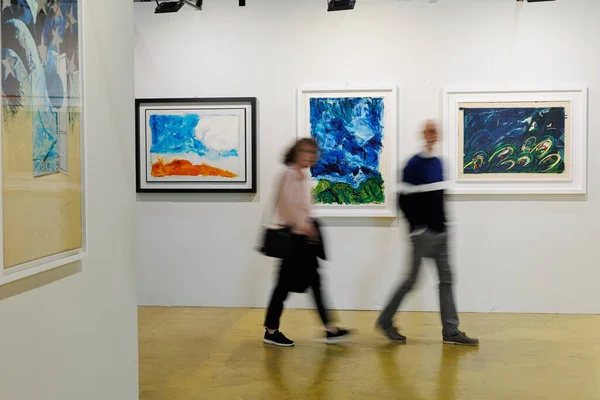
x: 408, y: 199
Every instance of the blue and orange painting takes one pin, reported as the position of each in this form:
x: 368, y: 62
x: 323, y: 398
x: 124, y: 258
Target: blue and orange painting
x: 349, y: 132
x: 194, y: 144
x: 38, y: 36
x: 514, y: 140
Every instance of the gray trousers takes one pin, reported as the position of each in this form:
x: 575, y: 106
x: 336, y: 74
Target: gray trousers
x: 435, y: 246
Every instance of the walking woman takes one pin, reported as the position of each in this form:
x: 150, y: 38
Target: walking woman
x: 299, y: 270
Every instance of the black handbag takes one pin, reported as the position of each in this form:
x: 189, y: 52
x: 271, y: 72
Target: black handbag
x: 277, y: 242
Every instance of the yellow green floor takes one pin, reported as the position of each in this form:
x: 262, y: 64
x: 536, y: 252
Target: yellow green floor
x: 203, y: 353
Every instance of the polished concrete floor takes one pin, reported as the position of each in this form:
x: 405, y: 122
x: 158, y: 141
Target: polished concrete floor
x: 200, y: 353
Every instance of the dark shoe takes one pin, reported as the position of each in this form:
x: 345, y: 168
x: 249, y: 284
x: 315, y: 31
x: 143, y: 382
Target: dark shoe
x: 461, y: 338
x: 277, y: 338
x: 393, y: 334
x: 337, y: 337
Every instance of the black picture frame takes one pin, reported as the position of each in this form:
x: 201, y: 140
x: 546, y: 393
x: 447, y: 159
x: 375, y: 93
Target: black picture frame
x: 248, y: 104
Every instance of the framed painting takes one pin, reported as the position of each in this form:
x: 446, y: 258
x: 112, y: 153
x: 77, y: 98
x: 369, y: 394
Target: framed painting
x: 356, y: 130
x: 196, y: 145
x: 42, y: 168
x: 516, y: 141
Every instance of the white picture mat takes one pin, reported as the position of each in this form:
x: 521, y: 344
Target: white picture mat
x: 56, y: 260
x: 245, y: 125
x: 577, y: 121
x: 233, y: 164
x: 389, y: 155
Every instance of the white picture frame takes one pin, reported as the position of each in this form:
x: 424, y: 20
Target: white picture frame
x: 43, y: 264
x: 571, y: 181
x: 388, y: 159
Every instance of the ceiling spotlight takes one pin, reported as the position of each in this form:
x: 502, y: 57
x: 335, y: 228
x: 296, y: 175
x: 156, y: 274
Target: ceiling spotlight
x: 168, y: 7
x: 339, y: 5
x: 174, y: 6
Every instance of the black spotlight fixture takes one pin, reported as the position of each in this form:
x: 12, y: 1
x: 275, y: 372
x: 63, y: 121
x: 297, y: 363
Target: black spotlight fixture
x: 174, y: 6
x: 168, y: 7
x: 340, y: 5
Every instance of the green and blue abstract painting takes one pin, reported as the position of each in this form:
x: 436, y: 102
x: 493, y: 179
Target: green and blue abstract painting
x: 350, y: 133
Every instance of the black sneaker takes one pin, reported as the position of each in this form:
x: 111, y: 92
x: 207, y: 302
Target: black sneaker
x: 461, y: 338
x: 337, y: 337
x: 277, y: 338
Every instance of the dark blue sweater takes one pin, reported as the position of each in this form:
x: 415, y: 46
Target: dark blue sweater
x: 422, y: 197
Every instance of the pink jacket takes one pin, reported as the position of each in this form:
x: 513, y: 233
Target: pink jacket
x: 293, y: 205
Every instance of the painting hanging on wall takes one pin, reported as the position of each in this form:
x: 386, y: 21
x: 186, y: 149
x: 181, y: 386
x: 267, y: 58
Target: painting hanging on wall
x: 196, y: 145
x: 519, y: 139
x: 516, y: 142
x: 43, y: 213
x: 355, y: 130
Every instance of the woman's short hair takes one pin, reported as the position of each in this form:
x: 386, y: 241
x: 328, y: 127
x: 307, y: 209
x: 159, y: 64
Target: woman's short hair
x: 292, y: 153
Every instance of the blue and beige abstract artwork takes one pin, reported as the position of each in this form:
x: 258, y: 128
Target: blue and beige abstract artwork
x: 203, y: 145
x: 349, y: 132
x: 42, y: 177
x: 40, y: 61
x: 514, y: 140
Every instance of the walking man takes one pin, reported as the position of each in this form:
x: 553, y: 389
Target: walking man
x: 422, y: 203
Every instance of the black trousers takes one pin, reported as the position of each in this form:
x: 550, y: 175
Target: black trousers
x: 297, y: 272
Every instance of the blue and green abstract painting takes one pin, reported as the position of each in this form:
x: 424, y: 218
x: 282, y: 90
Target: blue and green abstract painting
x: 349, y: 132
x: 514, y: 140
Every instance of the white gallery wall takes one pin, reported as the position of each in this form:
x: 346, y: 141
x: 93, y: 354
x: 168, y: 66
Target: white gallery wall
x: 510, y: 253
x: 71, y: 333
